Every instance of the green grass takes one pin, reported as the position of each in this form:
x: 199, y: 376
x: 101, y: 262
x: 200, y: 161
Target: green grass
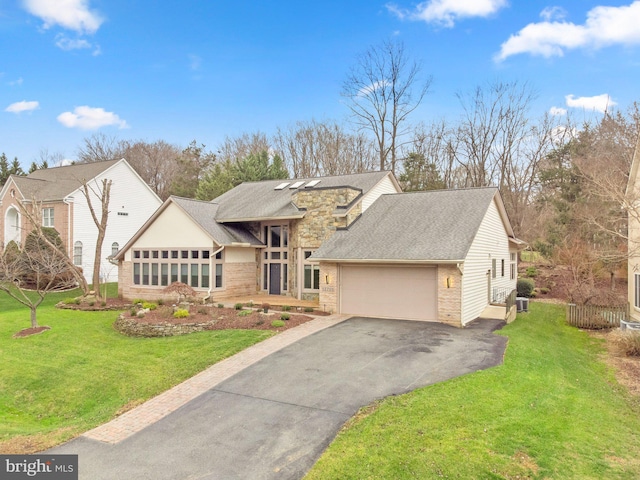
x: 77, y: 375
x: 553, y: 410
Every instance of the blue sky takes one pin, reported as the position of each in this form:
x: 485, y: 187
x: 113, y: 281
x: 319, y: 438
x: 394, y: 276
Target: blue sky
x: 179, y: 71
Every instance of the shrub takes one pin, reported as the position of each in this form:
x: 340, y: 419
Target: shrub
x: 160, y: 301
x: 250, y: 304
x: 265, y: 307
x: 532, y: 272
x: 259, y: 322
x: 77, y: 301
x: 238, y: 306
x: 137, y: 301
x: 181, y: 313
x: 133, y: 312
x: 244, y: 313
x: 286, y: 308
x: 308, y: 309
x: 277, y: 323
x: 203, y: 311
x: 220, y: 305
x: 544, y: 290
x: 92, y: 303
x: 149, y: 305
x: 285, y: 316
x: 103, y: 304
x: 525, y: 287
x: 629, y: 343
x: 69, y: 301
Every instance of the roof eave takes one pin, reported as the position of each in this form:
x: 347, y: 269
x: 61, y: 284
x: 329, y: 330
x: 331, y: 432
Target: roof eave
x: 385, y: 260
x: 260, y: 219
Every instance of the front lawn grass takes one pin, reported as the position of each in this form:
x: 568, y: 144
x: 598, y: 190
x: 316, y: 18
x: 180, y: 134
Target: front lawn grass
x: 58, y: 384
x: 553, y: 410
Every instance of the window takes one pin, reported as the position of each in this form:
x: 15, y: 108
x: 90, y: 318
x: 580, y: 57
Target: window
x: 194, y: 275
x: 502, y: 267
x: 513, y: 266
x: 136, y: 274
x: 154, y: 274
x: 636, y: 302
x: 174, y: 272
x: 513, y: 271
x: 218, y: 275
x: 204, y: 277
x: 77, y: 253
x: 114, y: 248
x: 145, y: 274
x: 164, y: 274
x: 494, y: 272
x: 311, y: 273
x: 275, y: 236
x: 184, y: 273
x: 47, y: 217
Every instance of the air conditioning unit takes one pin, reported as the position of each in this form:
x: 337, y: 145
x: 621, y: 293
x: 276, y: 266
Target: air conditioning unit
x: 522, y: 304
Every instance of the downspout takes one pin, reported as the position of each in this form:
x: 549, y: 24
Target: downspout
x: 69, y: 201
x: 299, y: 270
x: 212, y: 273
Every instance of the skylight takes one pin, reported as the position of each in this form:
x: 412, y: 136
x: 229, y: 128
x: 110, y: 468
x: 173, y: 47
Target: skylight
x: 312, y: 183
x: 282, y: 186
x: 296, y: 185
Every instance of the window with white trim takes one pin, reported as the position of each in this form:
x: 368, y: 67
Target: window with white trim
x: 636, y: 288
x: 513, y: 266
x: 114, y: 248
x: 47, y: 217
x: 77, y: 253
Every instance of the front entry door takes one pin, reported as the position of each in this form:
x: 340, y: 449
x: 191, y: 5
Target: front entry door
x: 274, y: 279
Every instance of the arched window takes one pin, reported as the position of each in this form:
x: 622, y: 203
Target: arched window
x: 114, y: 248
x: 77, y: 253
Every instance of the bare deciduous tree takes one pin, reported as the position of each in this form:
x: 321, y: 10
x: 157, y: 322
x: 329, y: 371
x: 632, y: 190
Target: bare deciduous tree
x: 382, y: 90
x: 156, y: 163
x: 314, y: 148
x: 40, y: 266
x: 102, y: 193
x: 237, y: 148
x: 99, y: 148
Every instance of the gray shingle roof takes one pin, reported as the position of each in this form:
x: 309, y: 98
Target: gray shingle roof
x: 260, y: 200
x: 437, y: 225
x: 204, y: 214
x: 58, y: 182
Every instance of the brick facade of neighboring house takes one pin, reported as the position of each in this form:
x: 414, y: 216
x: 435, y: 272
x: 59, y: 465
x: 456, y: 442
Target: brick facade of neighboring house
x: 56, y: 193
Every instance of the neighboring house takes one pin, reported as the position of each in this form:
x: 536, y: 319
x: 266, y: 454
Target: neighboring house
x: 257, y: 237
x: 354, y: 243
x: 57, y: 192
x: 633, y: 209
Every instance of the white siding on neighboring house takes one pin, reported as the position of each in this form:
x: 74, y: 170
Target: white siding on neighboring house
x: 384, y: 186
x: 491, y: 242
x: 131, y: 203
x: 171, y: 229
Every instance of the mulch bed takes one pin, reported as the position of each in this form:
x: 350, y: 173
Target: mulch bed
x: 220, y: 318
x: 27, y: 332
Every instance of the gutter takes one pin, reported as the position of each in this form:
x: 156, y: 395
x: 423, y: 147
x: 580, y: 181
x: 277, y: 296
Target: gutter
x: 387, y: 260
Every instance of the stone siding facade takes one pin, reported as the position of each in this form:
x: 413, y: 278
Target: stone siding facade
x: 449, y: 295
x: 329, y: 291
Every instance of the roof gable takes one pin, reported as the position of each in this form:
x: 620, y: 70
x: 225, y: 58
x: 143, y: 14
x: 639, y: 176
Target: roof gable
x: 437, y: 226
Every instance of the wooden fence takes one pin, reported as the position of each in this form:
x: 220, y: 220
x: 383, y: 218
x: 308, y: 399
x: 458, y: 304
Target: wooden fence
x: 596, y: 316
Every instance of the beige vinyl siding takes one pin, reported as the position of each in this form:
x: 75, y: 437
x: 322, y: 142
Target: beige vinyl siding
x: 171, y: 229
x: 384, y: 186
x: 491, y: 242
x: 634, y: 266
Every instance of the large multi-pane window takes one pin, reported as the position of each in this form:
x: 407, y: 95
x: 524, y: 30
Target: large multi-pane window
x: 514, y: 266
x: 47, y: 217
x: 275, y: 258
x: 163, y: 267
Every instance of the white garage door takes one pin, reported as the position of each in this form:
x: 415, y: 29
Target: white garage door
x: 389, y: 291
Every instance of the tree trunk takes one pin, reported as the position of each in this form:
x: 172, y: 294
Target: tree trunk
x: 34, y: 321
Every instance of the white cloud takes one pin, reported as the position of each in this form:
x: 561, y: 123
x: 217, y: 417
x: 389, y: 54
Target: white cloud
x: 447, y: 12
x: 24, y: 106
x: 604, y: 26
x: 599, y: 103
x: 557, y: 111
x: 17, y: 82
x: 88, y: 118
x: 70, y: 14
x: 65, y: 43
x: 553, y: 13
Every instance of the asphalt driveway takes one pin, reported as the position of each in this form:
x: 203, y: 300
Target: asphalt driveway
x: 275, y: 418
